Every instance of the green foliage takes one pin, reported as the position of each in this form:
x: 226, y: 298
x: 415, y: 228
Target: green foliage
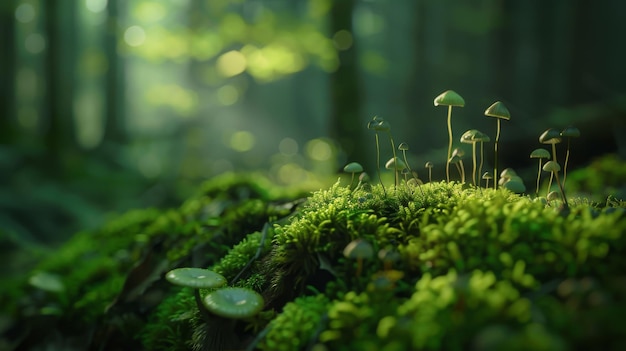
x: 296, y: 326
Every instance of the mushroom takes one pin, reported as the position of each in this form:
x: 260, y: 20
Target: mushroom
x: 397, y: 165
x: 515, y: 184
x: 196, y: 278
x: 404, y: 147
x: 234, y: 303
x: 449, y: 98
x: 457, y: 159
x: 353, y: 167
x: 377, y: 124
x: 506, y: 174
x: 474, y: 136
x: 540, y: 154
x: 359, y: 250
x: 486, y: 176
x: 482, y: 138
x: 500, y: 112
x: 569, y: 132
x: 389, y: 256
x: 429, y: 165
x: 551, y: 136
x: 554, y: 168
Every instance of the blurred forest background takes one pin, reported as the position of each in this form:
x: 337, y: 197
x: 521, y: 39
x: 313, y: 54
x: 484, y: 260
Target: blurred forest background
x: 118, y: 104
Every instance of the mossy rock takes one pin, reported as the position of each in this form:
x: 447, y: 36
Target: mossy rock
x: 477, y: 269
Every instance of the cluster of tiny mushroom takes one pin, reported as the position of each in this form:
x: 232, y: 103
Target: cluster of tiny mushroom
x: 225, y: 302
x: 507, y: 178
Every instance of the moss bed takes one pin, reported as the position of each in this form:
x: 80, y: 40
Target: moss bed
x: 455, y: 267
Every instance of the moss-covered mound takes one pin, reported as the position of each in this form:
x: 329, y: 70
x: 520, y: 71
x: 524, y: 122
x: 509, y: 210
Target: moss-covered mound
x: 442, y: 266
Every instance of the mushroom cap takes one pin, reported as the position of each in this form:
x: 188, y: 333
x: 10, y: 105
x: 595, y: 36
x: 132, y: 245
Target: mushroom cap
x: 454, y: 159
x: 198, y: 278
x: 508, y: 173
x: 414, y: 182
x: 234, y: 303
x: 353, y: 167
x: 394, y: 163
x: 449, y: 98
x: 390, y: 255
x: 498, y: 110
x: 469, y: 137
x: 540, y: 153
x: 403, y: 146
x: 570, y: 132
x: 550, y: 136
x: 473, y: 136
x: 553, y: 195
x: 364, y: 177
x: 428, y: 165
x: 515, y: 184
x: 551, y: 166
x: 503, y: 180
x: 378, y: 124
x: 358, y: 248
x: 458, y: 152
x: 487, y: 175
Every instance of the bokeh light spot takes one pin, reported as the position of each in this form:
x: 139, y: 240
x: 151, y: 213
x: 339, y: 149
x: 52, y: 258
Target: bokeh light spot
x: 290, y: 173
x: 25, y: 13
x: 231, y: 63
x: 134, y: 36
x: 35, y: 43
x: 319, y: 150
x: 242, y: 141
x: 227, y: 95
x: 342, y: 40
x: 288, y: 147
x: 96, y: 6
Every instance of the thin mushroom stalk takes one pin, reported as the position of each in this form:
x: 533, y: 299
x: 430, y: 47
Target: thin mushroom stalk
x: 449, y: 98
x: 498, y: 111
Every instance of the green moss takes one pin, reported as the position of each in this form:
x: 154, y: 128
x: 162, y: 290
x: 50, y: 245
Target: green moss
x: 479, y: 268
x: 296, y: 327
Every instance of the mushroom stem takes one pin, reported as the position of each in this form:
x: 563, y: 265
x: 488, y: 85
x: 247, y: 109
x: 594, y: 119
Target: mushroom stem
x: 558, y: 181
x: 495, y: 163
x: 566, y: 160
x: 480, y: 167
x: 203, y: 311
x: 462, y: 171
x: 378, y: 164
x: 538, y: 178
x: 449, y: 143
x: 430, y: 175
x: 474, y: 164
x: 393, y: 149
x: 359, y: 266
x: 552, y: 173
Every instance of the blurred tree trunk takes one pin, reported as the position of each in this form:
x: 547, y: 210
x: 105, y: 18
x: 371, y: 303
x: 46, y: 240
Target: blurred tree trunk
x: 114, y: 127
x: 58, y: 66
x: 7, y: 72
x: 345, y: 122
